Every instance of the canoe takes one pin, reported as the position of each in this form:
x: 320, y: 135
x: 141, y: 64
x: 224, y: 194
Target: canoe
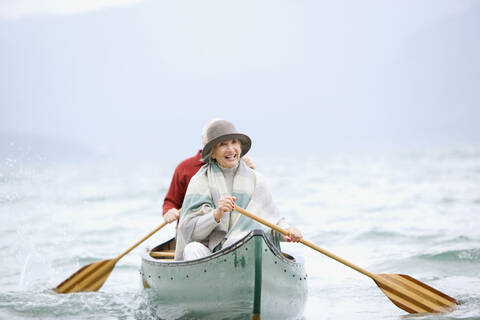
x: 247, y: 280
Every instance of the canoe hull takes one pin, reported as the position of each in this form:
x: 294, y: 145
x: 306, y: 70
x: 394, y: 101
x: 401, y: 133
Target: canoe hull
x: 250, y: 277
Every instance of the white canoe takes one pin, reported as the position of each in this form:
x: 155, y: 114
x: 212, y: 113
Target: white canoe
x: 248, y: 280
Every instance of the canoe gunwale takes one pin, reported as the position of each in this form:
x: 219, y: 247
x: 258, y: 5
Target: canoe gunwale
x: 254, y: 233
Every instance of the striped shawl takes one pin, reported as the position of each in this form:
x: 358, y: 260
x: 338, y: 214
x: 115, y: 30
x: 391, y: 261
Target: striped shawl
x: 204, y: 191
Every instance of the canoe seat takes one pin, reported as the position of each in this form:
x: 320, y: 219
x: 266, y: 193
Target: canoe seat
x: 289, y: 257
x: 163, y: 254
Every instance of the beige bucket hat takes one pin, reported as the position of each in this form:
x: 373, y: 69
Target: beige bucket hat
x: 222, y: 130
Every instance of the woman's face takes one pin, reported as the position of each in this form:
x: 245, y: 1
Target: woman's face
x: 227, y: 153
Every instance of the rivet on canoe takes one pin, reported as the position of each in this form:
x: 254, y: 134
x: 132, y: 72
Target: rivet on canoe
x: 294, y: 276
x: 265, y: 250
x: 149, y: 276
x: 158, y: 277
x: 171, y: 278
x: 246, y: 248
x: 225, y: 260
x: 275, y: 262
x: 186, y: 276
x: 284, y: 270
x: 204, y: 270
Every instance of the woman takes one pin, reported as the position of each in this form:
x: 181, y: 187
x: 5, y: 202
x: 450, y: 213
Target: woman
x: 208, y: 221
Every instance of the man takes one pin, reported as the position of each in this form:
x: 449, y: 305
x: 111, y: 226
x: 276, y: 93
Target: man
x: 181, y: 177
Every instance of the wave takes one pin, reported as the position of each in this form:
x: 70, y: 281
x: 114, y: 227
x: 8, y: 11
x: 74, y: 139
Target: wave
x: 463, y: 255
x: 376, y: 234
x: 449, y: 262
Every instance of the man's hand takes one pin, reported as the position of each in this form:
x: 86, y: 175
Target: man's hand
x: 171, y: 215
x: 248, y: 162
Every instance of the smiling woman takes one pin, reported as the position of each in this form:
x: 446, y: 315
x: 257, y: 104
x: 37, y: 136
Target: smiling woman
x: 224, y: 144
x: 227, y: 153
x: 208, y: 223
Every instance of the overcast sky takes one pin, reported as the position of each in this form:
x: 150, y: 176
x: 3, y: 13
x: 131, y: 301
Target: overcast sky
x: 143, y: 77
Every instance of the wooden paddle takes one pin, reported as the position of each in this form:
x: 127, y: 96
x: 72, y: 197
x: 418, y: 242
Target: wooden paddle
x: 91, y: 277
x: 404, y: 291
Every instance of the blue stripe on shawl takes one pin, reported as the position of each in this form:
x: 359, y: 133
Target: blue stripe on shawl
x: 215, y: 167
x: 242, y: 199
x: 196, y: 200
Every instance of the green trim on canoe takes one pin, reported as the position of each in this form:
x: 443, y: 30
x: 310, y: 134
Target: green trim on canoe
x: 257, y: 294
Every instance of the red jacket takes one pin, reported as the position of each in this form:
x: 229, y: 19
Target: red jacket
x: 181, y: 177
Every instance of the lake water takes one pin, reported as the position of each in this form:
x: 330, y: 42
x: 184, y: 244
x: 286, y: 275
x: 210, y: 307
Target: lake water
x: 414, y: 212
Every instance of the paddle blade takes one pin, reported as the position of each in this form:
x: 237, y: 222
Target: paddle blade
x: 89, y: 278
x: 412, y: 295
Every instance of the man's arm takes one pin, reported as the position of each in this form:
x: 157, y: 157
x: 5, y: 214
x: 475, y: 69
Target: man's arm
x: 174, y: 198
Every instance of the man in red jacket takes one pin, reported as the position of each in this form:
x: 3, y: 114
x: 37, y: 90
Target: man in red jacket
x: 181, y: 177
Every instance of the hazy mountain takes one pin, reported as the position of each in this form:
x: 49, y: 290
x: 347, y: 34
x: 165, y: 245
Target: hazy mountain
x: 294, y: 75
x: 34, y: 148
x: 437, y: 80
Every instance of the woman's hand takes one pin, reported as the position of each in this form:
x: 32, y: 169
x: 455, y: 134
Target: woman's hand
x: 294, y: 235
x: 225, y: 204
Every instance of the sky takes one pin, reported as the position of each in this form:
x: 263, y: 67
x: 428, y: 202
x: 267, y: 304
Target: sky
x: 142, y: 77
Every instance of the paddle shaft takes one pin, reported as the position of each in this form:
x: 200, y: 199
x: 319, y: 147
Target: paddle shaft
x: 305, y: 242
x: 404, y: 291
x: 140, y: 241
